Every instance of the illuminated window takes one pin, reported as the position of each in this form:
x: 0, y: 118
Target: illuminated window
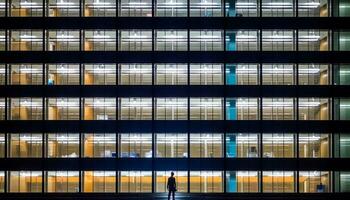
x: 206, y: 8
x: 25, y: 145
x: 26, y: 74
x: 313, y: 8
x: 135, y: 181
x: 63, y: 40
x: 100, y: 108
x: 2, y: 109
x: 278, y: 74
x: 278, y: 8
x: 2, y: 69
x: 135, y: 108
x: 62, y: 145
x: 278, y: 181
x: 2, y: 145
x: 135, y: 8
x: 62, y: 181
x: 242, y: 145
x: 314, y: 109
x: 26, y: 8
x: 313, y: 40
x: 206, y: 181
x: 171, y: 145
x: 135, y: 40
x: 100, y: 145
x: 173, y: 8
x: 314, y: 74
x: 242, y: 109
x: 63, y: 109
x: 135, y: 145
x: 63, y: 74
x: 278, y: 108
x: 99, y: 181
x: 278, y: 145
x: 278, y: 40
x: 100, y: 74
x: 2, y: 181
x: 64, y: 8
x: 26, y: 108
x: 206, y: 40
x: 100, y: 40
x: 242, y: 8
x: 206, y: 145
x: 314, y: 181
x: 206, y: 109
x: 26, y: 40
x: 242, y: 181
x: 100, y: 8
x: 313, y: 145
x: 242, y: 40
x: 25, y: 181
x: 171, y: 108
x: 171, y: 40
x: 171, y: 74
x: 162, y: 180
x: 206, y: 74
x: 135, y: 74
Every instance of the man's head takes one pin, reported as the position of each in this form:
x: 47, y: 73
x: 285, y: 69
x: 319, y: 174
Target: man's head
x: 172, y: 173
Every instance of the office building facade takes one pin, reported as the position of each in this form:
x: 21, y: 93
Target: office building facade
x: 240, y: 98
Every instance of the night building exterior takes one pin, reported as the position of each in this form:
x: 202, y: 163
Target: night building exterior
x: 246, y: 99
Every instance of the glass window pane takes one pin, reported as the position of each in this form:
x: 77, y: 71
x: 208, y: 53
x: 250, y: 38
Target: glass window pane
x: 100, y: 40
x: 206, y: 181
x: 206, y: 40
x: 26, y: 8
x: 314, y: 74
x: 171, y: 74
x: 242, y: 145
x: 26, y: 40
x: 313, y: 40
x: 63, y: 109
x: 100, y: 8
x: 135, y: 74
x: 242, y: 109
x: 242, y: 40
x: 135, y: 182
x: 26, y: 108
x: 242, y: 8
x: 278, y: 145
x: 135, y: 145
x: 135, y: 40
x: 173, y: 8
x: 171, y: 145
x: 278, y: 181
x: 25, y: 145
x: 161, y: 178
x: 206, y: 74
x: 63, y: 145
x: 63, y: 74
x: 135, y: 8
x: 314, y: 181
x: 206, y: 145
x: 206, y: 109
x: 242, y: 181
x: 278, y: 40
x: 62, y: 181
x: 66, y: 8
x: 100, y: 145
x: 100, y: 74
x: 26, y: 74
x: 171, y: 40
x: 171, y: 108
x: 135, y: 108
x: 313, y: 8
x: 206, y: 8
x: 100, y: 108
x: 278, y: 109
x: 242, y: 74
x: 99, y: 181
x: 313, y: 145
x: 63, y: 40
x: 25, y: 181
x: 278, y: 74
x: 278, y: 8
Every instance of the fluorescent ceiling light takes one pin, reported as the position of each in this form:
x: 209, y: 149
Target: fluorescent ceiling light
x: 27, y: 4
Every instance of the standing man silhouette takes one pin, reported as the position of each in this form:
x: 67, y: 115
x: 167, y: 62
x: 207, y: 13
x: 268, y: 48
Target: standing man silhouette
x: 171, y: 186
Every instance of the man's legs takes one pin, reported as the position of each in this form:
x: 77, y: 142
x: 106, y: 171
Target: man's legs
x: 169, y: 195
x: 173, y: 195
